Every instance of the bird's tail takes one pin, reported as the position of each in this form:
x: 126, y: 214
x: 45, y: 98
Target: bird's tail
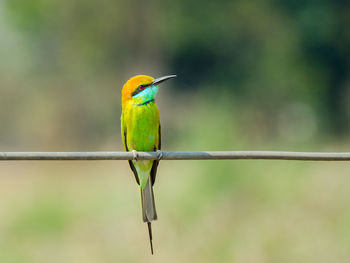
x: 148, y: 208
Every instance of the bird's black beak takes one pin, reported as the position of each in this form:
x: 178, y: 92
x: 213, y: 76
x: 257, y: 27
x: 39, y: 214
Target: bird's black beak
x: 161, y: 79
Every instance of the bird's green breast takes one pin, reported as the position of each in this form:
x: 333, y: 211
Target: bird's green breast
x: 142, y: 125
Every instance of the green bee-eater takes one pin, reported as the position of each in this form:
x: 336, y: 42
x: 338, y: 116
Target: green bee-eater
x: 140, y: 129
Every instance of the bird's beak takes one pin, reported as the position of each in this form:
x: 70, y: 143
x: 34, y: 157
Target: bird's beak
x: 161, y: 79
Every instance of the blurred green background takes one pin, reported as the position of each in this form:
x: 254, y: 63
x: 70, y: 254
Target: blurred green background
x: 252, y: 75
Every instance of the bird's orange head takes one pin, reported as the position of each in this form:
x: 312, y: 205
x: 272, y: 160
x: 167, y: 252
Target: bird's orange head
x: 141, y: 88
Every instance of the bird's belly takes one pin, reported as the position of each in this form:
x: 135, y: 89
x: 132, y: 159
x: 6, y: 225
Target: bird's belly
x: 143, y: 128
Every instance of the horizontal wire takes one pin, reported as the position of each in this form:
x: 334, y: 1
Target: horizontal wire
x: 202, y: 155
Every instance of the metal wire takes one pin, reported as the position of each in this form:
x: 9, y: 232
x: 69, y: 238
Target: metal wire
x: 203, y: 155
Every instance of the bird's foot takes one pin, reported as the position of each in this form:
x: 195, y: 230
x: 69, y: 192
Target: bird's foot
x: 135, y: 155
x: 159, y: 155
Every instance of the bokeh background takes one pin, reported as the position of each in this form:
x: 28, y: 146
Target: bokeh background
x: 252, y: 75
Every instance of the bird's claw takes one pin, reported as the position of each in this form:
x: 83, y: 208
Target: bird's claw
x: 135, y: 155
x: 159, y: 155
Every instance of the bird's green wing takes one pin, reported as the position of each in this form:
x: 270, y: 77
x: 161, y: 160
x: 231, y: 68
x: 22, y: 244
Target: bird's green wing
x: 156, y: 162
x: 124, y: 137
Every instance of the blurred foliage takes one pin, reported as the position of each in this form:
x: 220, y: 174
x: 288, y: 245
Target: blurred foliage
x: 283, y: 63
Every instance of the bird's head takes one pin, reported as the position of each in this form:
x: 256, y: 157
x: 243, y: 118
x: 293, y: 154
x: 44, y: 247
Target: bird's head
x: 141, y: 89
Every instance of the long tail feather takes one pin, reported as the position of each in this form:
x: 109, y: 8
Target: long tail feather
x: 150, y: 235
x: 148, y: 209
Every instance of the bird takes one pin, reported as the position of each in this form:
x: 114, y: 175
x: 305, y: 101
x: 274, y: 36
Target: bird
x: 141, y: 131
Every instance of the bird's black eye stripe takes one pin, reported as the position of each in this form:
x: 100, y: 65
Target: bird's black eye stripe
x: 139, y: 89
